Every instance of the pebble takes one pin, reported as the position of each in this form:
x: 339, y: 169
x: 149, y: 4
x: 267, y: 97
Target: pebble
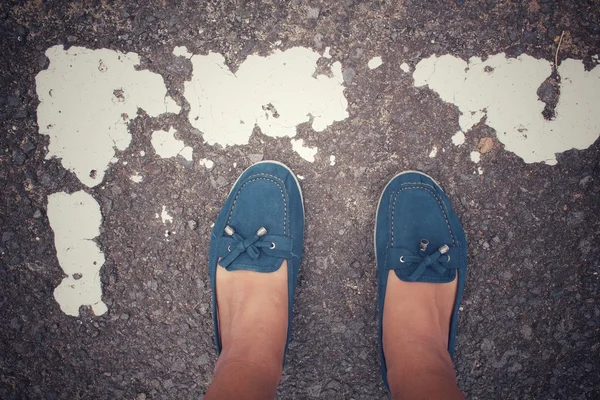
x: 153, y: 285
x: 496, y: 239
x: 355, y: 270
x: 348, y: 74
x: 19, y: 157
x: 585, y: 182
x: 28, y: 147
x: 6, y: 236
x: 192, y: 224
x: 486, y: 245
x: 486, y: 144
x: 486, y: 345
x: 37, y: 214
x: 312, y: 12
x: 527, y: 332
x: 255, y: 157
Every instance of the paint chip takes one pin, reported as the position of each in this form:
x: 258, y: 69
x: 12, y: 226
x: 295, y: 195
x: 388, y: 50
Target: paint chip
x: 375, y: 62
x: 182, y: 51
x: 75, y: 219
x: 137, y: 178
x: 458, y: 138
x: 275, y: 93
x: 405, y: 67
x: 207, y: 163
x: 332, y: 160
x: 87, y: 98
x: 504, y: 92
x: 166, y: 146
x: 307, y: 153
x: 433, y: 152
x: 164, y: 216
x: 326, y: 53
x: 475, y: 156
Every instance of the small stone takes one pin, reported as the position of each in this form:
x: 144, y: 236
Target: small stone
x: 221, y: 181
x: 204, y: 359
x: 312, y: 12
x: 124, y: 316
x: 37, y: 214
x: 496, y: 239
x: 516, y: 367
x: 321, y: 263
x: 487, y: 345
x: 585, y: 182
x: 333, y: 385
x: 485, y: 145
x: 486, y: 245
x: 348, y: 74
x: 140, y: 396
x: 192, y: 224
x: 19, y: 157
x: 43, y: 62
x: 257, y: 157
x: 355, y: 270
x: 314, y: 390
x: 28, y: 147
x: 585, y: 245
x: 153, y: 285
x: 527, y: 332
x: 72, y: 39
x: 6, y: 236
x: 506, y: 275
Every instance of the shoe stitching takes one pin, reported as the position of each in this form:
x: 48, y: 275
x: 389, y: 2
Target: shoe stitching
x: 429, y: 188
x: 263, y: 177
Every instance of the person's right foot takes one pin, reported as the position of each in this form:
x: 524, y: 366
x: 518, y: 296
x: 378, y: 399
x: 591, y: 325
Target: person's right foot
x: 421, y: 259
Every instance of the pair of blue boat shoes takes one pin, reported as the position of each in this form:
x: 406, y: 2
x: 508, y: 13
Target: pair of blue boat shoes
x: 417, y: 235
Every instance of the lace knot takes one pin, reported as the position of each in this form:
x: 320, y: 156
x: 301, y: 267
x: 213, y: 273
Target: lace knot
x: 250, y: 246
x: 437, y: 261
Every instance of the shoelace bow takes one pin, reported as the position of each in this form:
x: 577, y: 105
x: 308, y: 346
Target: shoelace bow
x: 435, y: 261
x: 250, y: 246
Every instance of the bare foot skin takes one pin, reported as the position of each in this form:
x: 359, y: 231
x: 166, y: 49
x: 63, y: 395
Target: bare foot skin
x: 253, y: 320
x: 416, y: 325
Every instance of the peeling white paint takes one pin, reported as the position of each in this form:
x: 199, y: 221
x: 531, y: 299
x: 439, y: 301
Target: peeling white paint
x: 375, y: 62
x: 475, y: 156
x: 166, y: 146
x: 164, y: 216
x: 332, y: 160
x: 87, y: 98
x: 142, y: 153
x: 75, y: 219
x: 137, y: 178
x: 433, y: 152
x: 207, y: 163
x: 504, y: 91
x: 181, y: 51
x: 405, y: 67
x: 275, y: 93
x: 307, y: 153
x: 458, y: 138
x: 480, y: 170
x: 326, y: 53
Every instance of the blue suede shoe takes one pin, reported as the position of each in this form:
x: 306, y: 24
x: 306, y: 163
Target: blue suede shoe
x: 260, y: 225
x: 419, y: 237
